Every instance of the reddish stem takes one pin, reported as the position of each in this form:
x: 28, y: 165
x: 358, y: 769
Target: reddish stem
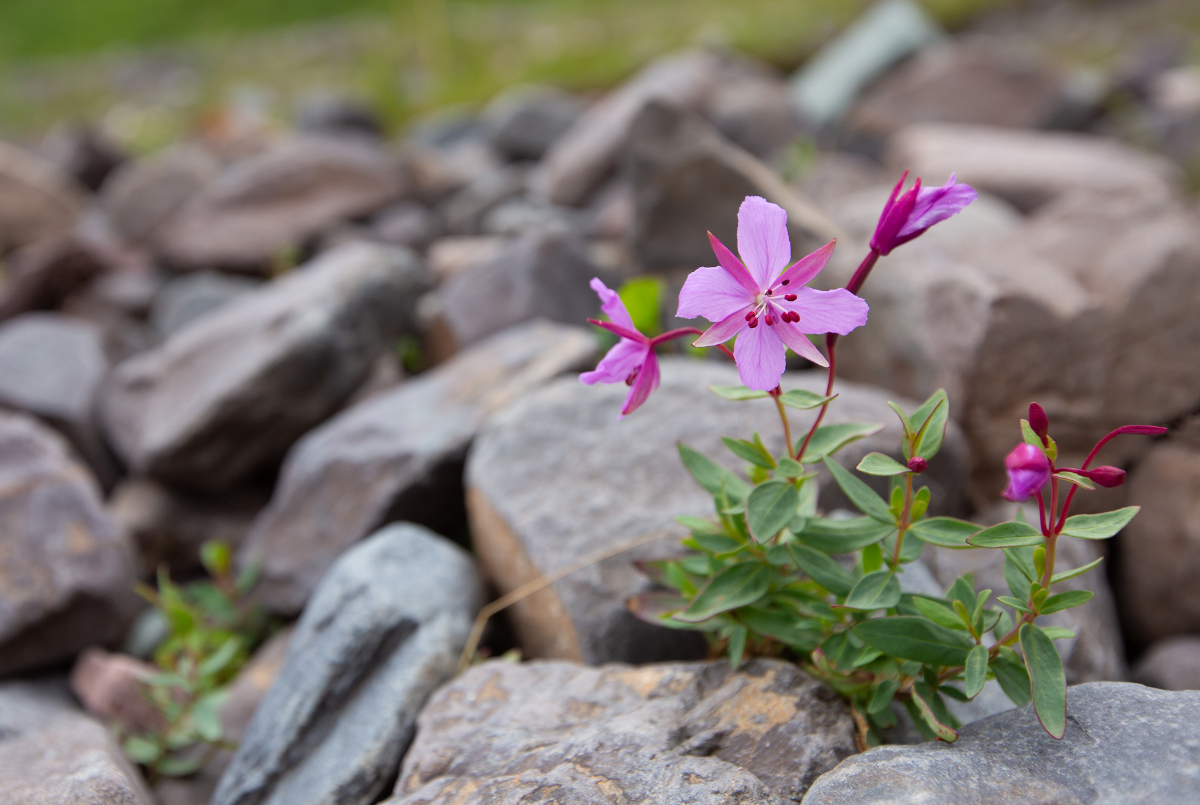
x: 1042, y: 513
x: 1140, y: 430
x: 671, y: 335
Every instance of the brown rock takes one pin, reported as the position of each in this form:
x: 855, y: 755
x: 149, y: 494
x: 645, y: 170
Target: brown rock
x: 1171, y: 664
x: 37, y: 199
x: 450, y: 256
x: 554, y: 731
x: 44, y: 273
x: 142, y: 195
x: 83, y: 151
x: 111, y: 688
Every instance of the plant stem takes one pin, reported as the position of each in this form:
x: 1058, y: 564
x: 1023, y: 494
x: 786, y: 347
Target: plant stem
x: 903, y: 528
x: 671, y: 335
x: 830, y: 342
x: 777, y: 394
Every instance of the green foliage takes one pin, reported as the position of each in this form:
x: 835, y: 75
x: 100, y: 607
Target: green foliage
x: 643, y: 299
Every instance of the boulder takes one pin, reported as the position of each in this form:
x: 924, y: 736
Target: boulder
x: 41, y: 275
x: 555, y: 731
x: 398, y: 455
x: 753, y: 109
x: 83, y: 151
x: 110, y: 686
x: 523, y: 121
x: 190, y: 296
x: 1171, y: 664
x: 462, y: 213
x: 55, y: 755
x: 67, y: 570
x: 37, y: 198
x: 276, y: 201
x: 142, y: 195
x: 450, y: 256
x: 226, y: 395
x: 556, y: 477
x: 382, y: 631
x: 1124, y: 744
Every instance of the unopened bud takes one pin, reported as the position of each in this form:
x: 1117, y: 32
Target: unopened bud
x: 917, y: 464
x: 1106, y: 476
x: 1039, y: 421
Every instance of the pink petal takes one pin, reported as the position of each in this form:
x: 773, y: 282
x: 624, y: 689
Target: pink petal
x: 760, y: 357
x: 836, y: 311
x: 804, y: 270
x: 724, y: 330
x: 713, y: 294
x: 763, y: 239
x: 643, y: 387
x: 728, y: 261
x: 614, y: 367
x: 623, y: 332
x: 935, y: 204
x: 792, y: 335
x: 611, y: 304
x: 894, y: 216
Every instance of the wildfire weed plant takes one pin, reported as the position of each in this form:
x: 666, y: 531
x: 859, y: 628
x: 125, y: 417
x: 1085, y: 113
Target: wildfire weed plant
x: 769, y: 575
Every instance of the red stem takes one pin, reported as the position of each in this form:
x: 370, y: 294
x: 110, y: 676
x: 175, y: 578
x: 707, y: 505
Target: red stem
x: 671, y: 335
x: 1141, y: 430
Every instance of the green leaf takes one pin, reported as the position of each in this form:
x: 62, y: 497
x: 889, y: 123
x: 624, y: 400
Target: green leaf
x: 737, y: 646
x: 799, y: 398
x: 643, y: 299
x: 782, y: 626
x: 1065, y: 600
x: 882, y: 697
x: 828, y: 439
x: 216, y: 661
x: 712, y: 476
x: 216, y: 555
x: 941, y: 730
x: 872, y: 558
x: 770, y: 507
x: 656, y: 605
x: 1007, y: 535
x: 205, y: 715
x: 822, y: 569
x: 1013, y: 679
x: 946, y: 532
x: 1058, y: 633
x: 789, y: 468
x: 909, y: 430
x: 1047, y: 678
x: 878, y: 590
x: 938, y: 612
x: 1030, y: 437
x: 1099, y: 526
x: 167, y: 679
x: 142, y: 750
x: 180, y: 766
x: 735, y: 586
x: 910, y: 551
x: 1072, y: 478
x: 879, y: 464
x: 860, y: 494
x: 912, y: 638
x: 698, y: 525
x: 1079, y: 571
x: 843, y: 536
x: 1015, y: 603
x: 930, y: 419
x: 976, y: 671
x: 716, y: 544
x: 737, y: 392
x: 754, y: 453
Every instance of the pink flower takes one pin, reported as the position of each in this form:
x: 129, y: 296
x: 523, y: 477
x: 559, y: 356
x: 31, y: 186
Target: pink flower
x: 763, y: 301
x: 632, y: 361
x: 907, y: 216
x: 1028, y: 471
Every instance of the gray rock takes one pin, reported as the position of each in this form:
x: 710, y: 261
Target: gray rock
x: 331, y: 114
x: 83, y: 151
x: 523, y: 121
x: 1125, y: 744
x: 694, y: 733
x: 556, y: 477
x: 463, y: 212
x: 229, y: 393
x: 754, y: 110
x: 55, y: 755
x: 408, y: 223
x: 43, y: 274
x: 142, y: 195
x: 398, y: 455
x: 67, y: 570
x: 1171, y: 664
x: 519, y: 215
x: 383, y: 630
x: 37, y: 198
x: 190, y: 296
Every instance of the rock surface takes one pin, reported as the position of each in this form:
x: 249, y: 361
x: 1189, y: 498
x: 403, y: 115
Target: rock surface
x: 52, y: 754
x: 229, y: 393
x: 398, y: 455
x: 43, y: 274
x: 1124, y: 744
x: 190, y: 296
x: 382, y: 631
x: 556, y: 477
x: 557, y: 732
x: 524, y: 121
x: 37, y: 198
x: 66, y: 569
x: 142, y: 195
x: 1171, y: 664
x: 110, y: 687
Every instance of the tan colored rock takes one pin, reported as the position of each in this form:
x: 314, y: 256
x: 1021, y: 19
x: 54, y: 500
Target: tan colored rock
x: 37, y: 198
x: 41, y: 275
x: 142, y: 195
x: 448, y: 257
x: 1171, y: 664
x: 111, y: 688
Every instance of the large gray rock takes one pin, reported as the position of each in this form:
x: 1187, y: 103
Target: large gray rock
x: 383, y: 630
x: 557, y: 477
x: 43, y: 274
x: 1171, y: 664
x: 753, y: 109
x: 66, y: 569
x: 1125, y: 745
x: 522, y: 122
x: 398, y: 455
x: 463, y: 212
x: 52, y: 754
x: 188, y: 297
x: 37, y: 198
x: 557, y: 732
x: 229, y: 393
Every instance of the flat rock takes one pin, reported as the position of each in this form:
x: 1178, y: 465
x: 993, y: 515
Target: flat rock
x: 1125, y: 745
x: 142, y: 195
x: 52, y: 754
x: 37, y: 198
x: 555, y: 731
x: 398, y: 455
x: 229, y: 393
x: 556, y: 477
x: 383, y: 630
x: 67, y: 570
x: 1171, y: 664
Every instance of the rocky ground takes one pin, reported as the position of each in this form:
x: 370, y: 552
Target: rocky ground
x: 350, y: 358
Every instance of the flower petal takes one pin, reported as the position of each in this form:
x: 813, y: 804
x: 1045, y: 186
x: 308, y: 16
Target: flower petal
x: 760, y: 357
x: 837, y: 311
x: 934, y: 204
x: 763, y: 239
x: 614, y: 367
x: 894, y: 216
x: 805, y: 270
x: 622, y: 332
x: 713, y: 294
x: 643, y: 387
x: 611, y: 304
x: 723, y: 330
x: 792, y: 335
x: 728, y: 261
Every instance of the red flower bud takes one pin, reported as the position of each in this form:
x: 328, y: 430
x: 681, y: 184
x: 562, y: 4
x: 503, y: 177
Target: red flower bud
x: 1106, y: 476
x: 917, y: 464
x: 1039, y: 421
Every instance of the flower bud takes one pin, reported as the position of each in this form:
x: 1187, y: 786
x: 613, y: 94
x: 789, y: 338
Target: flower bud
x: 1028, y: 471
x: 1106, y: 476
x: 917, y: 464
x: 1039, y: 421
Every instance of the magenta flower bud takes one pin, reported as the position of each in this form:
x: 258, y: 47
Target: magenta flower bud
x: 917, y: 464
x: 1039, y: 421
x: 907, y: 215
x: 1106, y: 476
x: 1028, y: 471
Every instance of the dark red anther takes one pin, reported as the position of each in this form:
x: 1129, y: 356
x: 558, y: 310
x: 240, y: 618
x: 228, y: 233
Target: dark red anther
x: 750, y: 315
x: 770, y: 320
x: 784, y: 282
x: 769, y: 292
x: 917, y: 464
x: 629, y: 381
x: 753, y: 323
x: 795, y: 317
x: 1039, y: 421
x: 791, y: 297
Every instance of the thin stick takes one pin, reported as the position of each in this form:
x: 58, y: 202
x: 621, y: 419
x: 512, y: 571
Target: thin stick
x: 531, y: 587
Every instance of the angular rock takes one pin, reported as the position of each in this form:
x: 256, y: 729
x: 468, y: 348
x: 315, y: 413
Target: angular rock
x: 1124, y: 744
x: 229, y: 393
x: 190, y: 296
x: 556, y: 477
x: 449, y: 256
x: 695, y: 733
x: 37, y: 198
x: 382, y: 631
x: 52, y: 754
x: 754, y: 110
x: 142, y: 195
x: 276, y: 201
x: 67, y: 570
x: 398, y: 455
x: 43, y: 274
x: 522, y: 122
x: 463, y: 212
x: 1171, y: 664
x: 84, y: 152
x: 408, y: 223
x: 110, y: 687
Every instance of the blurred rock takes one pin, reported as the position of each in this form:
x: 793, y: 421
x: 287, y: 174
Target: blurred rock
x: 188, y: 297
x: 463, y: 212
x: 988, y: 216
x: 67, y: 569
x: 755, y: 111
x: 587, y: 152
x: 523, y: 121
x: 54, y: 754
x: 448, y: 257
x: 275, y: 202
x: 437, y: 172
x: 228, y: 394
x: 690, y: 733
x: 556, y: 476
x: 142, y: 195
x: 519, y: 215
x: 1171, y: 664
x: 37, y: 198
x: 408, y: 223
x: 382, y: 631
x: 324, y: 113
x: 84, y: 152
x: 43, y: 274
x: 398, y: 455
x: 832, y: 175
x: 111, y: 688
x: 1122, y: 745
